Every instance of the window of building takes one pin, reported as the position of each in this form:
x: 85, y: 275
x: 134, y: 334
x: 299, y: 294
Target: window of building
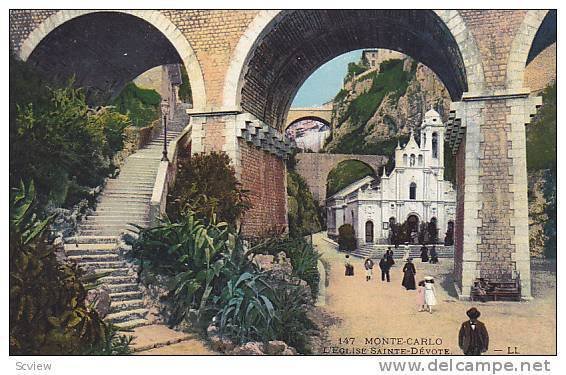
x: 435, y: 145
x: 405, y: 159
x: 420, y: 160
x: 413, y: 191
x: 412, y: 160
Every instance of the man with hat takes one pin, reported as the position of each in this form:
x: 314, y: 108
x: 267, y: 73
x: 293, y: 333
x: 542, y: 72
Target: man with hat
x: 473, y: 338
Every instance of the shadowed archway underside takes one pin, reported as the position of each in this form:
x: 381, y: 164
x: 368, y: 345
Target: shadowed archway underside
x: 103, y: 51
x: 302, y: 40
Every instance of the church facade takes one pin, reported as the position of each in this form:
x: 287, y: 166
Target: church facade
x: 414, y: 191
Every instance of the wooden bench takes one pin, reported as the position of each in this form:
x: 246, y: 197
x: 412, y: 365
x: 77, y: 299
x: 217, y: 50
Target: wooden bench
x: 499, y: 290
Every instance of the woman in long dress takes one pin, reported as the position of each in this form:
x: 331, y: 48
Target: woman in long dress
x: 430, y: 293
x: 409, y: 275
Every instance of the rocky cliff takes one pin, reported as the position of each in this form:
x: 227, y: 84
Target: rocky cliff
x: 383, y: 104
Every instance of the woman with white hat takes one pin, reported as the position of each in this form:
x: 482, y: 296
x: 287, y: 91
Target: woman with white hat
x: 429, y: 293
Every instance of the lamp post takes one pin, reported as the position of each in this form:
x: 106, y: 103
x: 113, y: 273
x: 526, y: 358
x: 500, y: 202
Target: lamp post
x: 164, y: 111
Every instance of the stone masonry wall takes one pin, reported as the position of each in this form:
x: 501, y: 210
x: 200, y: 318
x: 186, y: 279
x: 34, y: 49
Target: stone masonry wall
x: 213, y: 34
x: 494, y: 32
x: 263, y: 175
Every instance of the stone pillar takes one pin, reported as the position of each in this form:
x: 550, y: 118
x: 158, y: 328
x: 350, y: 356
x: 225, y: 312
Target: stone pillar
x: 258, y: 154
x: 493, y: 240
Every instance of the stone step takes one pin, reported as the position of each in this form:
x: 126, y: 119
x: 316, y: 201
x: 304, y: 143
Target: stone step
x: 126, y: 296
x: 120, y: 220
x: 126, y: 287
x: 120, y: 185
x: 87, y: 258
x: 91, y: 240
x: 127, y: 218
x: 127, y: 193
x: 99, y: 265
x: 117, y: 306
x: 115, y: 280
x: 91, y: 246
x: 122, y: 271
x: 103, y: 232
x: 72, y: 251
x: 131, y: 324
x: 126, y: 315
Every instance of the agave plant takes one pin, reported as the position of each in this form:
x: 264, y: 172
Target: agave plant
x: 194, y: 254
x: 246, y: 310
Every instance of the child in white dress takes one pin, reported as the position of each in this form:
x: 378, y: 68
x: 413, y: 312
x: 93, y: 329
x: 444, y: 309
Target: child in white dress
x: 429, y: 293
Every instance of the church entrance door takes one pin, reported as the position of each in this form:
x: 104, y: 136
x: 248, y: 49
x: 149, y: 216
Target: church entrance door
x: 369, y: 231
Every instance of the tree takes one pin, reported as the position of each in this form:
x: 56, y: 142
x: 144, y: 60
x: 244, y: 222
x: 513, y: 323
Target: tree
x: 347, y: 238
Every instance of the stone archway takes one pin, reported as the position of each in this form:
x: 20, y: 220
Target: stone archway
x: 466, y: 69
x: 157, y: 22
x: 315, y: 168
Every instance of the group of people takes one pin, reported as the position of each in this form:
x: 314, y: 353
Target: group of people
x: 426, y: 293
x: 425, y: 258
x: 385, y: 265
x: 473, y: 338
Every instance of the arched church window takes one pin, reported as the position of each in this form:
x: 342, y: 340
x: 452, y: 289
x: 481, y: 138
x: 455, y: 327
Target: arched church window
x: 412, y: 160
x: 405, y: 159
x: 435, y: 145
x: 424, y: 139
x: 420, y: 160
x: 413, y: 191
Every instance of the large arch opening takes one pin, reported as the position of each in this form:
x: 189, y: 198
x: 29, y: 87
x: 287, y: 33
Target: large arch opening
x: 346, y: 173
x: 309, y: 133
x: 105, y: 50
x: 298, y: 42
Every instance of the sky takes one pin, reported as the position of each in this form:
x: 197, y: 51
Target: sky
x: 326, y: 81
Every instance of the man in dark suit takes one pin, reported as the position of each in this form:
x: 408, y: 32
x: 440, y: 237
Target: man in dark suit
x: 473, y: 338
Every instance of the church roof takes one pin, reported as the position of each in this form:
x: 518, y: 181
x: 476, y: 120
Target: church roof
x: 352, y: 187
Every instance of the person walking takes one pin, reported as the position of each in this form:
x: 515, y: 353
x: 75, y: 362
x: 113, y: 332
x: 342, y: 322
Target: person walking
x: 421, y: 296
x: 389, y: 254
x: 409, y: 272
x: 385, y: 266
x: 433, y: 255
x: 429, y: 293
x: 473, y: 338
x: 424, y: 254
x: 348, y: 266
x: 368, y: 265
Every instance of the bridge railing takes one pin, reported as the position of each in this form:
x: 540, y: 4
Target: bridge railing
x: 166, y: 175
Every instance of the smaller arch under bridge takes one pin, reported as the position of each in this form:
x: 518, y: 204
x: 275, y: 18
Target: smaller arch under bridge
x: 322, y: 114
x: 315, y: 167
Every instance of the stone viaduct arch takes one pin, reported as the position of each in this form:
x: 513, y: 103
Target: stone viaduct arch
x: 315, y: 167
x: 253, y: 62
x: 183, y: 52
x: 450, y: 51
x: 322, y: 114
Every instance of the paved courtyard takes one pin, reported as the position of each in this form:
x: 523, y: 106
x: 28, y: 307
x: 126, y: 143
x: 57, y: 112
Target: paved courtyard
x: 378, y: 311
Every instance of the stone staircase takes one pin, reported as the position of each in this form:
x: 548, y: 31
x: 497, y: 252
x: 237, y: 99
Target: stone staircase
x: 125, y: 200
x: 375, y: 251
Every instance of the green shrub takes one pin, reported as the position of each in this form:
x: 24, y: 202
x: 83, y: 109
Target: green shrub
x: 207, y: 184
x: 185, y: 92
x: 142, y: 106
x: 346, y: 238
x: 48, y: 314
x: 303, y: 211
x: 71, y: 144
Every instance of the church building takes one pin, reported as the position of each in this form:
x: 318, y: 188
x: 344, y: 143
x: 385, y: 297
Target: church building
x: 414, y: 191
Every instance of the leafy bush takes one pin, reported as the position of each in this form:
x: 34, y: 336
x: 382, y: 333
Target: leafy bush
x: 48, y: 314
x: 185, y: 92
x: 207, y: 184
x: 71, y: 144
x: 142, y: 106
x: 541, y: 134
x: 346, y: 238
x: 303, y: 211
